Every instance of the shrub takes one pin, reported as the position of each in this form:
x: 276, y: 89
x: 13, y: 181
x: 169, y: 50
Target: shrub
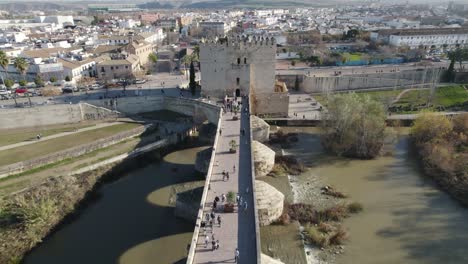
x: 67, y: 78
x: 312, y: 235
x: 325, y: 227
x: 355, y: 207
x: 338, y: 237
x: 429, y: 126
x: 53, y: 79
x: 231, y: 197
x: 284, y: 219
x: 335, y: 213
x: 9, y: 83
x: 22, y: 82
x: 38, y: 81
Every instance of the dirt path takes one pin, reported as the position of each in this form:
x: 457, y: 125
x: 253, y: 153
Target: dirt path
x: 404, y: 92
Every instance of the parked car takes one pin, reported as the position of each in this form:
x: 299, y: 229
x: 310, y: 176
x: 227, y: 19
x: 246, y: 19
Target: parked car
x: 67, y: 90
x: 95, y: 86
x: 21, y: 90
x: 5, y: 92
x: 139, y: 81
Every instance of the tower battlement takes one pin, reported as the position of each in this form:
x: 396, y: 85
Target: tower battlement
x: 240, y: 42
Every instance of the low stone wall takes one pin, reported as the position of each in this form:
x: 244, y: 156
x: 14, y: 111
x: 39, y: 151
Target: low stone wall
x: 271, y: 104
x: 22, y: 166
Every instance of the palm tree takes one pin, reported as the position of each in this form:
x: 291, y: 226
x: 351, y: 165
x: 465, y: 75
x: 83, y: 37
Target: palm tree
x: 22, y: 66
x: 4, y: 61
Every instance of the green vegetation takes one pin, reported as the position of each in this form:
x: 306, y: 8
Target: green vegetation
x: 192, y: 83
x: 53, y: 79
x: 442, y: 144
x: 445, y: 98
x: 354, y: 126
x: 13, y: 136
x: 22, y: 82
x: 9, y: 83
x: 67, y: 78
x: 352, y: 56
x: 42, y: 148
x: 38, y: 81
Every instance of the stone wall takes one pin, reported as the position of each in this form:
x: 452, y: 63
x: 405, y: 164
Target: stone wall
x: 139, y: 104
x: 271, y: 104
x: 203, y: 160
x: 39, y: 116
x: 312, y: 84
x: 264, y: 159
x: 52, y: 115
x: 260, y: 129
x: 270, y: 202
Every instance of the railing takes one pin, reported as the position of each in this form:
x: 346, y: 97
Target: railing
x: 254, y: 195
x: 193, y: 244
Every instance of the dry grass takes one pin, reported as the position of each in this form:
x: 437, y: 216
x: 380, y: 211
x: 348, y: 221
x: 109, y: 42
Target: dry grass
x: 338, y: 237
x: 314, y: 236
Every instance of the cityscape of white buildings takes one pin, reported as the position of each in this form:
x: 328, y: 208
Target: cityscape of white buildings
x: 116, y: 39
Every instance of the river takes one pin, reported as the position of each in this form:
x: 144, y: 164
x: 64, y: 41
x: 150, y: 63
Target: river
x: 132, y: 221
x: 406, y: 218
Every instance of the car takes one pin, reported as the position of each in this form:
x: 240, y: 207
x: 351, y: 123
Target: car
x: 67, y: 90
x: 139, y: 81
x: 5, y: 92
x: 21, y: 90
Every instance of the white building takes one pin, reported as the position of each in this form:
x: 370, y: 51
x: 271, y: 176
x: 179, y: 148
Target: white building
x: 217, y: 27
x: 59, y: 20
x: 426, y: 38
x: 78, y: 69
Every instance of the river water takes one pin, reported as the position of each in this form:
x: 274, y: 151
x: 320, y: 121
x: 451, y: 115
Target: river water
x: 131, y: 222
x: 406, y: 218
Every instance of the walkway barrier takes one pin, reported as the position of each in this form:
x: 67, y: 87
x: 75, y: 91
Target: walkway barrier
x: 257, y: 224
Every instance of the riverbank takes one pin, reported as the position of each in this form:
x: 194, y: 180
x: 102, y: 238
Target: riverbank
x: 34, y: 214
x: 401, y: 206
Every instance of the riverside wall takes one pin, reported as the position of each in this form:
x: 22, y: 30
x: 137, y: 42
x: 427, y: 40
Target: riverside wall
x: 52, y: 115
x: 319, y: 84
x: 104, y: 109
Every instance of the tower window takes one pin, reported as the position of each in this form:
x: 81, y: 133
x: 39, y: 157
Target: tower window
x: 238, y: 60
x: 245, y: 60
x: 237, y: 80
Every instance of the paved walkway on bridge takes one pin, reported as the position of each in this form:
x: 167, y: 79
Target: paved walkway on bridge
x: 237, y: 229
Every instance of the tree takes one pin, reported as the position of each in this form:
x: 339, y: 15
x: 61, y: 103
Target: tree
x: 192, y: 83
x: 38, y: 81
x: 53, y: 79
x: 153, y: 58
x: 296, y: 83
x: 9, y: 83
x: 4, y: 61
x: 449, y: 75
x: 459, y: 55
x: 22, y: 82
x: 430, y: 126
x: 354, y: 126
x: 21, y: 65
x: 67, y: 78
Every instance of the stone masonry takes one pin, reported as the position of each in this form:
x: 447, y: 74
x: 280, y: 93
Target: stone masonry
x: 270, y: 202
x: 264, y: 159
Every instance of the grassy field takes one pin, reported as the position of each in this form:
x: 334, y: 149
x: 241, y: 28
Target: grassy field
x: 12, y: 136
x: 42, y: 148
x: 445, y: 98
x: 352, y: 56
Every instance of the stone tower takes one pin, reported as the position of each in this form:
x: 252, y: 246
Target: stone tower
x: 242, y: 65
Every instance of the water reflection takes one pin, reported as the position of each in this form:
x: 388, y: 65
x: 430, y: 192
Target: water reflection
x: 124, y: 225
